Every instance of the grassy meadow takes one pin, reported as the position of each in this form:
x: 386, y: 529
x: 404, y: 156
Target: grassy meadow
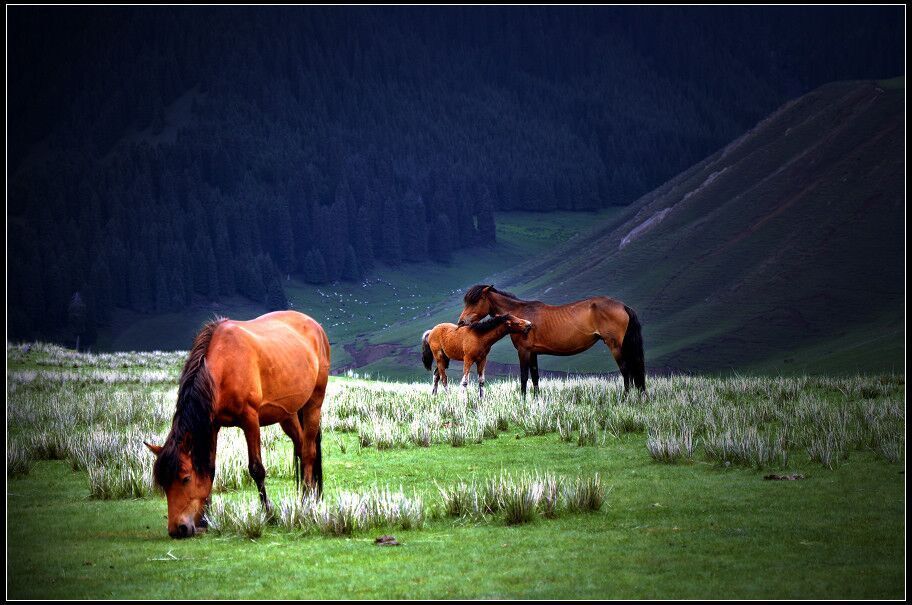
x: 579, y: 493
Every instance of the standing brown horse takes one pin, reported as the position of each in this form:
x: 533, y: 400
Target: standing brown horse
x: 565, y: 330
x: 247, y: 374
x: 470, y: 343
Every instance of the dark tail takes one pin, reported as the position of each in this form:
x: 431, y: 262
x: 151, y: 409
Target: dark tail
x: 632, y: 350
x: 426, y: 355
x: 318, y: 463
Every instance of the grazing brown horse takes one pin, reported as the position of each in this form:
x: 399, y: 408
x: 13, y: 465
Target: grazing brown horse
x: 565, y: 330
x: 246, y: 374
x: 470, y: 343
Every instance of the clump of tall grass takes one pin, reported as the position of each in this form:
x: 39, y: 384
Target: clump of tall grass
x: 243, y: 517
x: 535, y: 417
x: 747, y: 447
x: 520, y: 499
x: 129, y: 477
x: 350, y: 512
x: 584, y: 494
x: 384, y: 507
x: 825, y: 448
x: 890, y: 449
x: 588, y: 431
x: 670, y: 446
x: 457, y: 433
x: 420, y: 433
x: 460, y: 500
x: 49, y: 445
x: 18, y: 460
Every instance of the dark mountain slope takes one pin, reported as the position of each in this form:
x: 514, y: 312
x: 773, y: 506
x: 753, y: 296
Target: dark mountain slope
x: 783, y: 250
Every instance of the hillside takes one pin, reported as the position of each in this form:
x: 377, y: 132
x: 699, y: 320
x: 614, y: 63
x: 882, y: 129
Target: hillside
x: 781, y: 252
x: 167, y: 158
x: 374, y: 306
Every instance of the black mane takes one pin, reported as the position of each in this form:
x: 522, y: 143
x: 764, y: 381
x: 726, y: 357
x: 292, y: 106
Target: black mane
x: 193, y: 417
x: 487, y: 324
x: 473, y: 294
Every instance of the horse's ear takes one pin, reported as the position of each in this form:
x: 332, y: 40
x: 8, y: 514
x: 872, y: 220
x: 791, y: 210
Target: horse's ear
x: 155, y: 449
x: 487, y: 288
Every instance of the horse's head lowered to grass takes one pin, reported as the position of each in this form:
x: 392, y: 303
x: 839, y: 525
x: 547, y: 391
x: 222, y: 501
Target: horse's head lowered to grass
x: 186, y: 487
x: 185, y: 464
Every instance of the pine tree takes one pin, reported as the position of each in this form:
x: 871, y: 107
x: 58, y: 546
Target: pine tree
x: 392, y: 248
x: 364, y: 247
x: 177, y: 291
x: 415, y: 229
x: 314, y: 268
x: 275, y: 296
x: 439, y: 242
x: 487, y: 229
x: 102, y: 290
x: 76, y: 316
x: 141, y: 293
x: 283, y: 239
x: 352, y: 270
x: 162, y: 295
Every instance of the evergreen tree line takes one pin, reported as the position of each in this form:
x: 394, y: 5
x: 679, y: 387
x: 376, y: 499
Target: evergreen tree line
x: 159, y: 156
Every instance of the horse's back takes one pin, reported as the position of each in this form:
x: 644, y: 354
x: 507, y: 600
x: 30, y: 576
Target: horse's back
x: 445, y: 336
x: 275, y: 357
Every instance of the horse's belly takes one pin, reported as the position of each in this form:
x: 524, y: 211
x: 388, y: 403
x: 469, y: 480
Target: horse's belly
x: 271, y: 413
x: 559, y: 345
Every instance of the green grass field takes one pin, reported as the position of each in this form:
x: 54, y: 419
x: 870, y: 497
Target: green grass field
x: 686, y: 513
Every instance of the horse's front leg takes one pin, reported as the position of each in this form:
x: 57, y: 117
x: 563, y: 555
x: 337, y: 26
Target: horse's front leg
x: 533, y: 369
x: 251, y: 428
x: 481, y: 377
x: 523, y: 370
x: 204, y: 519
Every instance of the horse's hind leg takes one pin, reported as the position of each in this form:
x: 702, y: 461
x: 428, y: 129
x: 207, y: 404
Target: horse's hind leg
x: 443, y: 375
x: 292, y: 428
x: 436, y: 380
x: 311, y: 454
x: 619, y: 358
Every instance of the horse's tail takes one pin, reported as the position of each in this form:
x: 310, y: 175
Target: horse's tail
x: 318, y: 463
x: 426, y: 355
x: 632, y: 350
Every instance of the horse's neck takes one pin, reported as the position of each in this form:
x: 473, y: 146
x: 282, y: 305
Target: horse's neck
x: 489, y: 338
x: 502, y: 304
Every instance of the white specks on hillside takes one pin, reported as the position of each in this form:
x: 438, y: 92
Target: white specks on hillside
x: 643, y: 227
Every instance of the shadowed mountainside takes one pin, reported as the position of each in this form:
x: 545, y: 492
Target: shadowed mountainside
x: 785, y: 247
x: 781, y: 252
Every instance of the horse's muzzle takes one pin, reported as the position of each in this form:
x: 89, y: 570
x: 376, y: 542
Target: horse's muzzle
x: 183, y: 531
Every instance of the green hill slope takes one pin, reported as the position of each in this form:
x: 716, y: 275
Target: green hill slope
x: 782, y: 252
